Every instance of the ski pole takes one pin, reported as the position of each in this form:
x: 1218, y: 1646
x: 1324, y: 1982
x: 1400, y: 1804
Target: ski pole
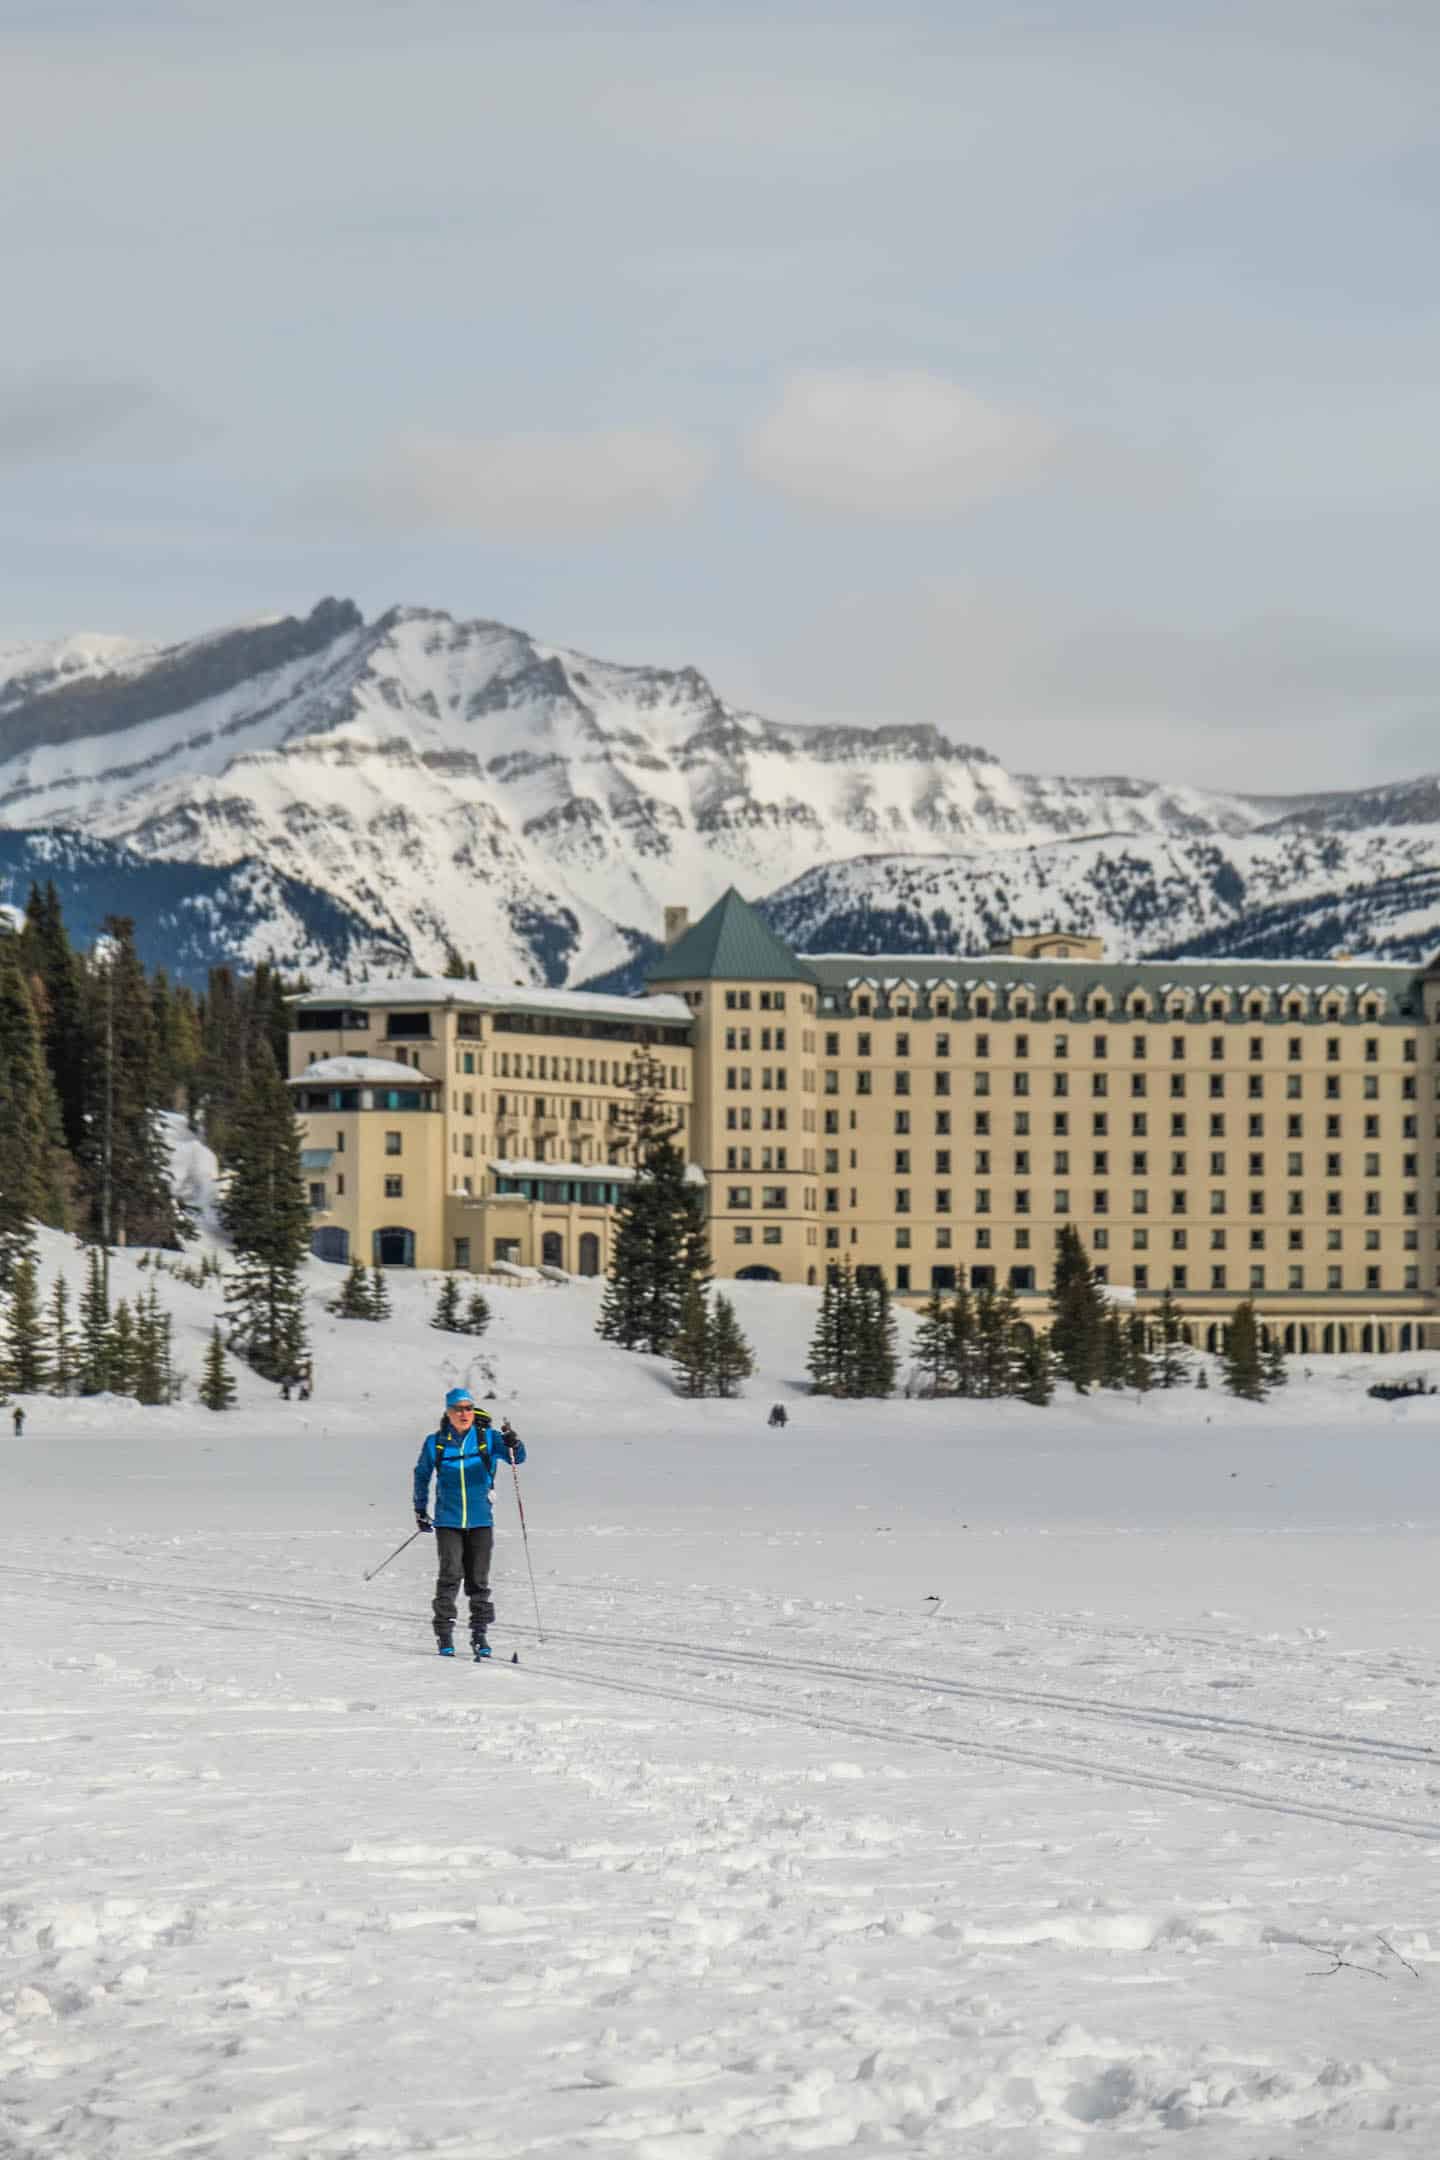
x: 525, y: 1536
x: 392, y: 1556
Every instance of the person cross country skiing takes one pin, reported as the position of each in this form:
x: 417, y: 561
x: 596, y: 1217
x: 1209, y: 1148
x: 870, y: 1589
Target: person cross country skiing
x: 462, y: 1457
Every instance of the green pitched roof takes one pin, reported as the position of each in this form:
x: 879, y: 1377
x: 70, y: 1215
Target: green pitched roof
x: 729, y: 944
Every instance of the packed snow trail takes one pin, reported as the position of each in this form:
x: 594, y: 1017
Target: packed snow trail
x: 756, y: 1855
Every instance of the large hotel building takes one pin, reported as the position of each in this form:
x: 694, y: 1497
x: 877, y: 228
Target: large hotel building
x: 1220, y: 1129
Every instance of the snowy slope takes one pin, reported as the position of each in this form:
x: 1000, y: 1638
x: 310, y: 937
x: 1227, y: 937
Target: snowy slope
x: 1290, y: 892
x: 758, y: 1852
x: 459, y: 782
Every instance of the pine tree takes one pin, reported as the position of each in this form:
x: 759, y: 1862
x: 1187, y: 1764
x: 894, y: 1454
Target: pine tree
x: 26, y: 1360
x: 151, y: 1375
x: 446, y: 1315
x: 962, y: 1343
x: 731, y: 1358
x: 1139, y: 1370
x: 996, y: 1328
x: 932, y: 1346
x: 62, y: 1340
x: 477, y: 1314
x: 1037, y: 1371
x: 873, y: 1370
x: 658, y: 1245
x: 125, y: 1158
x: 24, y: 1136
x: 122, y: 1357
x: 49, y: 959
x: 822, y: 1359
x: 1077, y: 1329
x: 849, y: 1321
x: 264, y: 1210
x: 217, y: 1386
x: 380, y: 1306
x: 1272, y: 1361
x: 691, y: 1348
x: 1173, y: 1358
x: 94, y: 1364
x: 454, y: 965
x: 1114, y: 1353
x: 353, y: 1301
x: 1240, y: 1358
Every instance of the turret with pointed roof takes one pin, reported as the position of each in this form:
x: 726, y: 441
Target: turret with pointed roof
x: 729, y: 944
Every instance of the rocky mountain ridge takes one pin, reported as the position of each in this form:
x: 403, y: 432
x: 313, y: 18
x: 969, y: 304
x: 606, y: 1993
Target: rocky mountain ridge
x: 459, y: 783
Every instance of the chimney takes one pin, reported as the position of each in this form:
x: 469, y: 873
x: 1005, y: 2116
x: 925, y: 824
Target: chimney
x: 677, y: 922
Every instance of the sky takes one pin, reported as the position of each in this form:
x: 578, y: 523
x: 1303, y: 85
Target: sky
x: 1067, y: 376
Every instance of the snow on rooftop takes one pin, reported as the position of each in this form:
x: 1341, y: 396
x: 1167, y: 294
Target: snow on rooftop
x: 367, y: 1071
x: 593, y: 1173
x: 498, y: 997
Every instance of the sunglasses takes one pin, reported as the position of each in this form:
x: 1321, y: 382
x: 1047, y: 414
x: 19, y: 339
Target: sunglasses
x: 462, y: 1409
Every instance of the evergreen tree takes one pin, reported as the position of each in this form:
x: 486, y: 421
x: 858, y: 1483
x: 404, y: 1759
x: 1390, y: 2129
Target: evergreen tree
x: 691, y: 1348
x: 125, y: 1158
x: 123, y: 1351
x: 1139, y: 1373
x: 48, y: 957
x: 963, y: 1358
x: 477, y: 1314
x: 264, y: 1209
x: 62, y: 1340
x: 26, y: 1361
x: 24, y: 1135
x: 1077, y: 1329
x: 849, y: 1322
x: 1114, y: 1353
x: 217, y: 1386
x: 446, y: 1315
x: 94, y: 1365
x: 1172, y: 1362
x: 1240, y: 1358
x: 996, y: 1355
x: 380, y: 1306
x: 874, y: 1364
x: 152, y: 1378
x: 1037, y: 1371
x: 454, y: 965
x: 1272, y: 1361
x: 731, y: 1358
x: 353, y: 1301
x: 932, y: 1346
x: 658, y: 1244
x: 822, y: 1360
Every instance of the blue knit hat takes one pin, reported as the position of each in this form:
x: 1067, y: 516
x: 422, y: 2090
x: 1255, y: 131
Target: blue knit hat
x: 457, y: 1396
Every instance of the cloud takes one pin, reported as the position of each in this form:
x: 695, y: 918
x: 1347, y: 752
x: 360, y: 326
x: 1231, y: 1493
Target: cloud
x: 525, y: 486
x: 44, y: 417
x: 896, y: 446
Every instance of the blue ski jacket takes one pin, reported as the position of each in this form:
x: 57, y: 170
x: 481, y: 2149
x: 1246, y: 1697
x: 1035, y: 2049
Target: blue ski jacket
x: 463, y: 1466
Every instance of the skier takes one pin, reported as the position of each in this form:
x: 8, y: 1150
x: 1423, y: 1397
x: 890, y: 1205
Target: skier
x: 18, y: 1421
x: 462, y: 1456
x: 778, y: 1415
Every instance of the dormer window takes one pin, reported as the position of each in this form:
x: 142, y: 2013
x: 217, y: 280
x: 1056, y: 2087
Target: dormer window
x: 1062, y: 1008
x: 1256, y: 1009
x: 862, y: 1006
x: 942, y: 1008
x: 1022, y: 1008
x: 982, y: 1008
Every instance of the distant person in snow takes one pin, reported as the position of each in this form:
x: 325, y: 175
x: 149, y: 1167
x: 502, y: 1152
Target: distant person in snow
x: 18, y: 1421
x: 462, y: 1457
x: 777, y: 1414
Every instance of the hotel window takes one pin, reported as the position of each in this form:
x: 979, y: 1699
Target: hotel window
x: 394, y: 1188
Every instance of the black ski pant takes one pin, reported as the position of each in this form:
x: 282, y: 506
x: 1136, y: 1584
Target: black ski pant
x: 463, y: 1556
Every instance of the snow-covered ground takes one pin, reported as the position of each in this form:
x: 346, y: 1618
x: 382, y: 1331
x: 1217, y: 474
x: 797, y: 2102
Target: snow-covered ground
x: 923, y: 1778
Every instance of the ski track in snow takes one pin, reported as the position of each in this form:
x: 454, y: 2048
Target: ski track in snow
x: 642, y: 1930
x: 756, y: 1853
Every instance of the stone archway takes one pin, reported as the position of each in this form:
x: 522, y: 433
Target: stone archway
x: 589, y: 1253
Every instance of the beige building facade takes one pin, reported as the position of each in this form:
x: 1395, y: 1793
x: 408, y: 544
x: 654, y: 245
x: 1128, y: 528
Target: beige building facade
x: 1220, y: 1129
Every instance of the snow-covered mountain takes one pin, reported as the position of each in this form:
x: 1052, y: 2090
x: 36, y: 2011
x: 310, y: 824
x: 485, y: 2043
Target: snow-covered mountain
x: 1286, y: 891
x: 441, y: 781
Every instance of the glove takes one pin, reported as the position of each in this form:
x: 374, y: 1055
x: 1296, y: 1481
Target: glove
x: 509, y: 1435
x: 422, y: 1520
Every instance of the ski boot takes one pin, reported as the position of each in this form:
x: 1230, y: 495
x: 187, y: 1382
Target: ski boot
x: 446, y: 1649
x: 482, y: 1649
